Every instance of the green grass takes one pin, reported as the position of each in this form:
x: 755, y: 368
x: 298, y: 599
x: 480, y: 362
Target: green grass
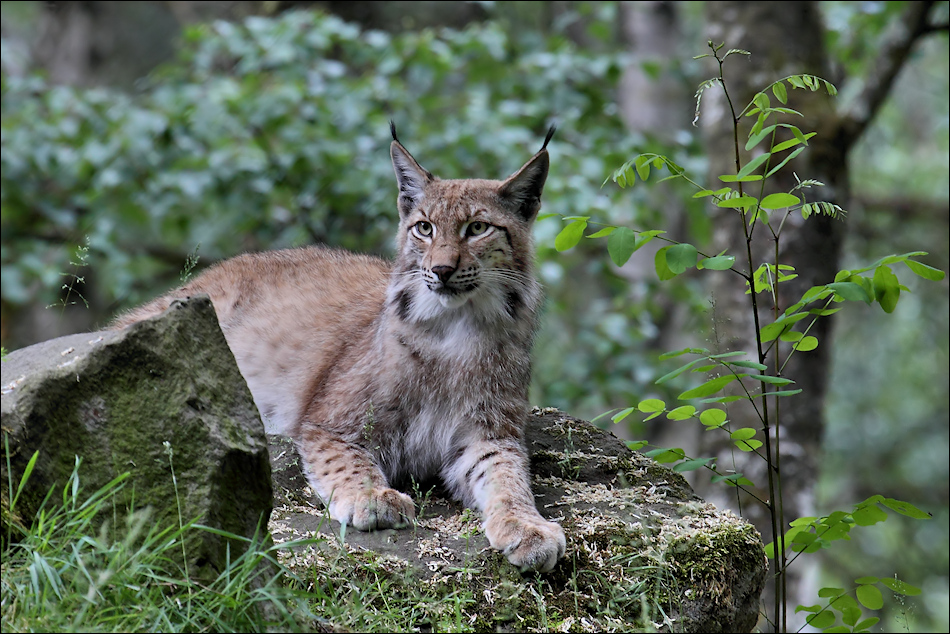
x: 84, y: 564
x: 65, y: 574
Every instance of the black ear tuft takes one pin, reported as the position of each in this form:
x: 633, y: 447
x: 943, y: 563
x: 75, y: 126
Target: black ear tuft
x: 392, y: 129
x: 411, y: 177
x: 547, y: 139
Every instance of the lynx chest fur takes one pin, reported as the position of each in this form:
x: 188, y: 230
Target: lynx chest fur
x: 385, y: 371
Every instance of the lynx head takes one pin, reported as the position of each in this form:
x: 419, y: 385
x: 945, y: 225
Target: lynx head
x: 465, y: 244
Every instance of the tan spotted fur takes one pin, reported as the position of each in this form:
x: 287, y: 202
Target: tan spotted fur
x: 418, y: 368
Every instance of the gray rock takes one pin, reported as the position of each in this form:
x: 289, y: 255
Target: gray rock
x: 643, y: 551
x: 115, y: 397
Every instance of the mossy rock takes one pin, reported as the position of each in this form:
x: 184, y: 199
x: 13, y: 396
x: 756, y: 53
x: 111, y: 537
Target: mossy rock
x: 643, y: 551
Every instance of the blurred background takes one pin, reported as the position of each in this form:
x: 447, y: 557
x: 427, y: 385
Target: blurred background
x: 143, y: 141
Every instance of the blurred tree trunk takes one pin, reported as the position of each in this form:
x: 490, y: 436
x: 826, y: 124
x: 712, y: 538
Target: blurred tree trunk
x: 656, y: 103
x: 91, y: 43
x: 785, y: 38
x: 652, y: 99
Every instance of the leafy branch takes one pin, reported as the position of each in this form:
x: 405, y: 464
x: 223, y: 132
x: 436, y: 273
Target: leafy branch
x: 732, y: 373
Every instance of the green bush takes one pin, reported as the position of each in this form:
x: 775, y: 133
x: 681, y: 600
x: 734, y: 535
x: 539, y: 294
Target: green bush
x: 274, y: 132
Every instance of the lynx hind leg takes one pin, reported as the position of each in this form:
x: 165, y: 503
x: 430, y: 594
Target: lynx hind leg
x: 494, y: 476
x: 348, y: 480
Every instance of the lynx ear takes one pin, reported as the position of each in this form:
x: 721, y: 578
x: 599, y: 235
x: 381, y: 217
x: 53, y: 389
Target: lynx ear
x: 522, y: 190
x: 410, y: 176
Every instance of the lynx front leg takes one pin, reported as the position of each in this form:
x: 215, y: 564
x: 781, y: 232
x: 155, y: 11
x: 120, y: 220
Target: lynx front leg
x: 494, y: 477
x: 348, y: 480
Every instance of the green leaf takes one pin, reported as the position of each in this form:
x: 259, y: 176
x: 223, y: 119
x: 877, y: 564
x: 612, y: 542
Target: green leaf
x: 732, y: 478
x: 718, y: 262
x: 900, y: 587
x: 678, y: 353
x: 778, y: 89
x: 784, y: 161
x: 887, y: 288
x: 742, y: 202
x: 866, y: 580
x: 667, y: 455
x: 732, y: 178
x: 713, y: 417
x: 708, y: 388
x: 751, y: 365
x: 791, y: 336
x: 692, y: 465
x: 623, y: 176
x: 643, y: 166
x: 870, y: 597
x: 744, y: 433
x: 850, y: 291
x: 848, y: 606
x: 800, y: 139
x: 771, y: 332
x: 866, y: 624
x: 570, y: 235
x: 650, y: 405
x: 784, y: 145
x: 806, y: 344
x: 828, y: 593
x: 748, y: 445
x: 782, y: 393
x: 906, y: 508
x: 821, y: 620
x: 663, y: 270
x: 753, y: 165
x: 681, y: 257
x: 868, y: 515
x: 606, y: 231
x: 779, y: 201
x: 621, y: 244
x: 924, y: 271
x: 726, y: 355
x: 622, y: 414
x: 774, y: 380
x: 754, y: 140
x: 681, y: 413
x: 678, y: 371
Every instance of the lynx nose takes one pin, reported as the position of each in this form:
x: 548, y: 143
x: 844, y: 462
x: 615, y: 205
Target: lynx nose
x: 443, y: 272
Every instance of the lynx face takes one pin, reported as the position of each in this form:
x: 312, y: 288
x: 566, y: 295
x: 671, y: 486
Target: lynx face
x: 465, y: 245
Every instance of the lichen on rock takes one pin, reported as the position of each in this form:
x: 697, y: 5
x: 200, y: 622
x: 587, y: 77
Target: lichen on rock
x: 643, y: 551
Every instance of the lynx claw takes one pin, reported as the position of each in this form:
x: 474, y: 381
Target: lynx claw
x: 529, y: 544
x: 374, y: 510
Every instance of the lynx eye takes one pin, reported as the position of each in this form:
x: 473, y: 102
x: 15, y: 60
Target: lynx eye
x: 423, y: 228
x: 477, y: 228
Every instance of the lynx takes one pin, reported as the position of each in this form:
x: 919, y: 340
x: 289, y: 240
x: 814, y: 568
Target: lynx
x: 387, y: 371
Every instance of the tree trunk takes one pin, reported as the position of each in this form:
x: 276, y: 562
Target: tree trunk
x: 785, y: 38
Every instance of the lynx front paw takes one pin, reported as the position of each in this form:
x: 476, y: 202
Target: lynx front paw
x: 530, y: 543
x: 373, y: 509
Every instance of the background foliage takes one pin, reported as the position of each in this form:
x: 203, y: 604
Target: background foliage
x: 273, y: 132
